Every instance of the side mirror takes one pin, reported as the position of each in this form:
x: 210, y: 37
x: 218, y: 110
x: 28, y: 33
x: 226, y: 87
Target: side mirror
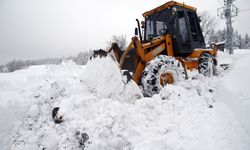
x: 136, y: 31
x: 142, y: 24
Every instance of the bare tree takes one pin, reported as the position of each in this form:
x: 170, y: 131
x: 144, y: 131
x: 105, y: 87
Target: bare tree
x: 15, y: 65
x: 247, y: 41
x: 82, y: 58
x: 120, y: 40
x: 209, y: 23
x: 1, y: 68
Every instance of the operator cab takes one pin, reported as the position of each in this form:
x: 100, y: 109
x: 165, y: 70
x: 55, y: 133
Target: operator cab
x: 180, y: 21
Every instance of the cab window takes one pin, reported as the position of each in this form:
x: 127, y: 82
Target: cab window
x: 183, y: 27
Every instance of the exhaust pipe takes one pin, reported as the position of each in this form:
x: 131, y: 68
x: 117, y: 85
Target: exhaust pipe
x: 139, y: 28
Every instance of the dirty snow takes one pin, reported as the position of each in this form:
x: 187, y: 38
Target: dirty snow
x: 198, y: 113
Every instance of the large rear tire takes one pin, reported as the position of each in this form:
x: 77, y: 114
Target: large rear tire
x: 159, y: 72
x: 206, y: 65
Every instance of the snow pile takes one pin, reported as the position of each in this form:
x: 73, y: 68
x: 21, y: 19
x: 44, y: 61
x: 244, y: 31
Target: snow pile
x: 96, y: 100
x: 103, y: 78
x: 75, y: 90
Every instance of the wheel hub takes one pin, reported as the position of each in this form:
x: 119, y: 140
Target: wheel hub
x: 166, y: 78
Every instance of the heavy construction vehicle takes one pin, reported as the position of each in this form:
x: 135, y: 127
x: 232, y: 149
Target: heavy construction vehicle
x: 167, y: 43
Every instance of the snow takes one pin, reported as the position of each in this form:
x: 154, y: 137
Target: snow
x: 198, y: 113
x: 236, y: 85
x: 241, y: 51
x: 15, y: 98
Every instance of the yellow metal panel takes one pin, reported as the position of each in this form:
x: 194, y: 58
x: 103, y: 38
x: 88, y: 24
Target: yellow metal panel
x: 154, y: 42
x: 197, y: 52
x: 139, y: 49
x: 125, y: 53
x: 165, y: 6
x: 191, y: 65
x: 155, y: 52
x: 138, y: 72
x: 169, y: 45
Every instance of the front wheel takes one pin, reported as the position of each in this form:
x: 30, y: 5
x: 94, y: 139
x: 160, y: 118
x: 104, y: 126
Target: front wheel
x: 161, y: 71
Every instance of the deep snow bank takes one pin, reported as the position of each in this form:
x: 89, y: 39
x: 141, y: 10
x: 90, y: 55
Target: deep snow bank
x: 94, y: 99
x: 75, y: 90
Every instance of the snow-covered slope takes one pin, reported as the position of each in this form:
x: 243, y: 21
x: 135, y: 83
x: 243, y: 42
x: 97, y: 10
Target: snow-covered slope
x: 198, y: 113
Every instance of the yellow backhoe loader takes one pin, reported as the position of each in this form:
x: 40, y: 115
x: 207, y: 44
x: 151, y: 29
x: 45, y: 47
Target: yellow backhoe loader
x: 167, y: 43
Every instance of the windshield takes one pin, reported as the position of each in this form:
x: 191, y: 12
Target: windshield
x: 154, y: 28
x: 158, y: 23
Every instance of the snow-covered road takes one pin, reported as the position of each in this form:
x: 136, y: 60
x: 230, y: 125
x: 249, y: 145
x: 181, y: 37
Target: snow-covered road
x: 202, y: 113
x: 235, y: 89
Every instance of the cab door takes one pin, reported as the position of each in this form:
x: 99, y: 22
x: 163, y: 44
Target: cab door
x: 195, y: 30
x: 184, y: 36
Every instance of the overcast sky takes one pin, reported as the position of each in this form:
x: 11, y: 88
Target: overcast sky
x: 33, y: 29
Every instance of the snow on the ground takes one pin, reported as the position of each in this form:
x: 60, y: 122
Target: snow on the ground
x: 235, y: 89
x: 241, y: 51
x: 198, y: 113
x: 15, y: 97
